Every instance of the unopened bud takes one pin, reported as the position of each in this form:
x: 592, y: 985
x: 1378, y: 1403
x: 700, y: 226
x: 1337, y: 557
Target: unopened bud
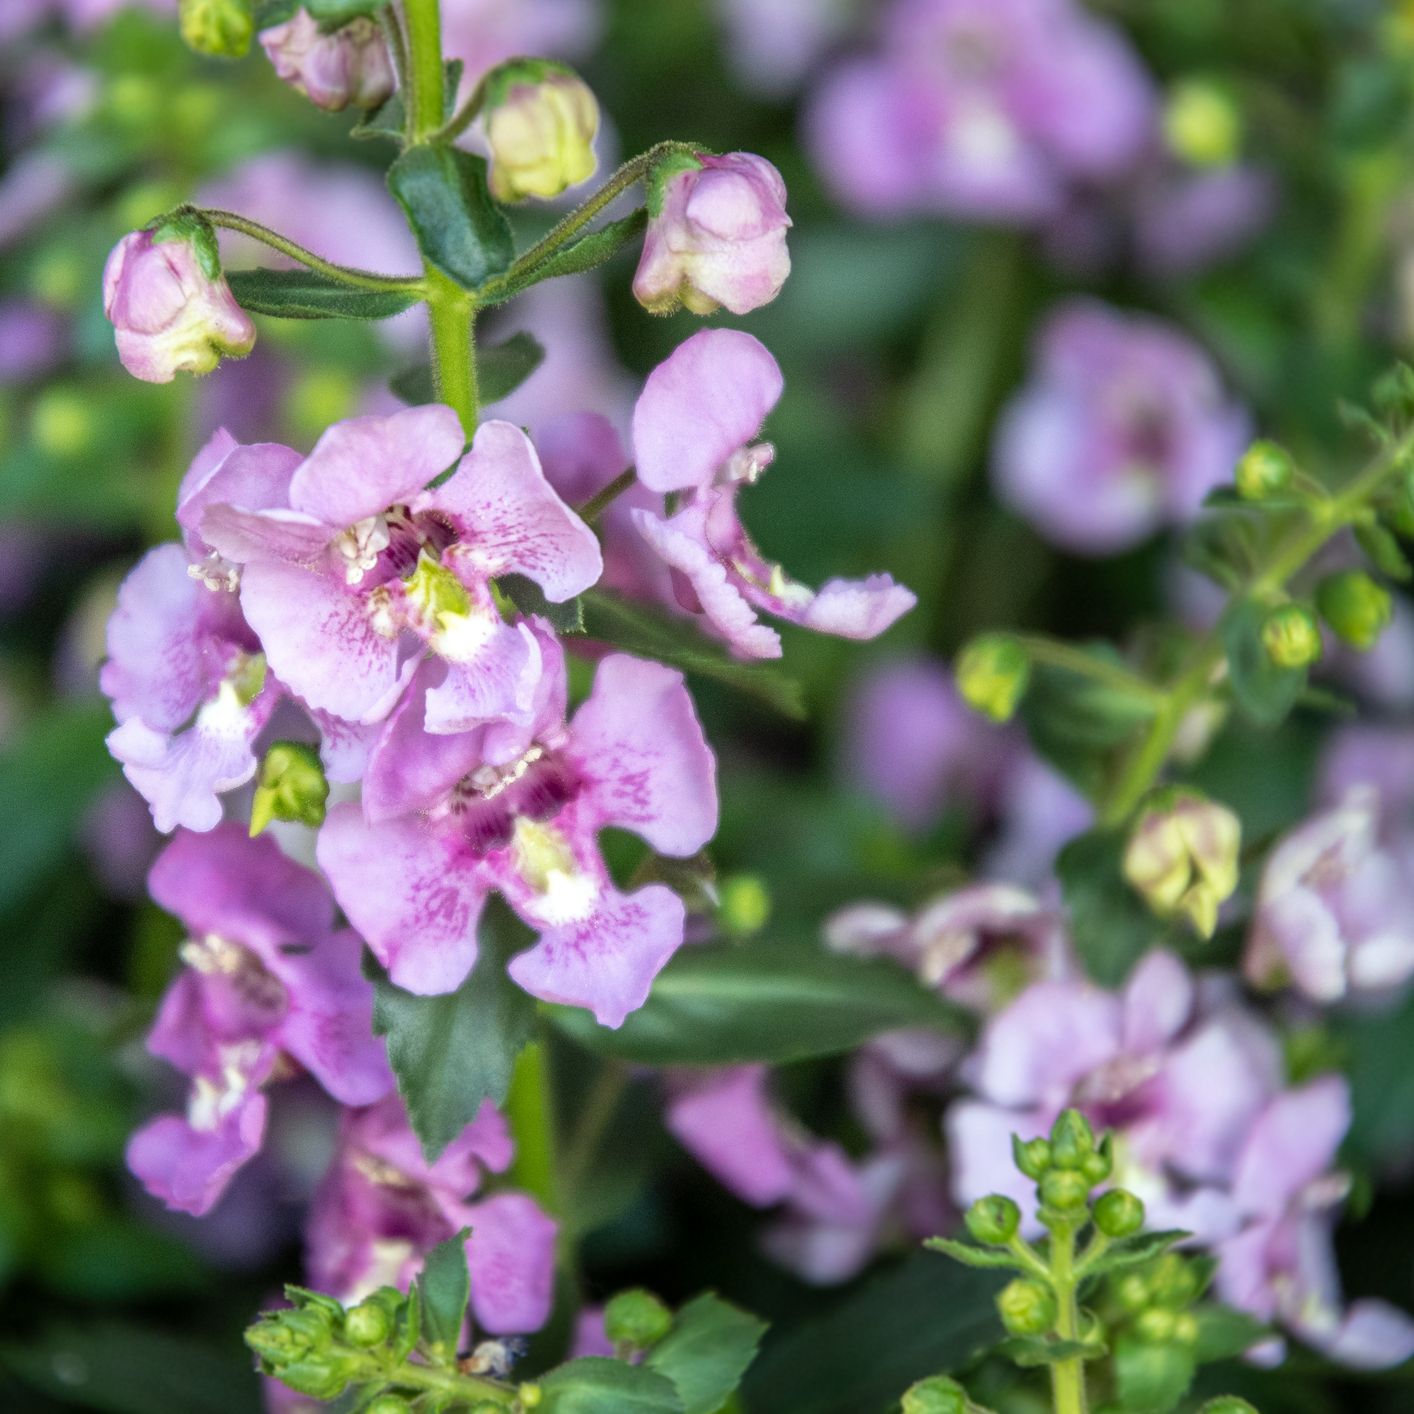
x: 1265, y: 469
x: 745, y: 904
x: 1155, y: 1325
x: 291, y: 786
x: 530, y: 1396
x: 1291, y: 636
x: 1182, y: 857
x: 1027, y: 1307
x: 1354, y: 606
x: 1132, y: 1291
x: 636, y: 1319
x: 1118, y: 1213
x: 219, y: 27
x: 396, y: 1404
x: 282, y: 1337
x: 1065, y: 1191
x: 993, y: 1220
x: 935, y: 1395
x: 1072, y: 1140
x: 1185, y: 1328
x: 1099, y: 1165
x: 1202, y: 124
x: 541, y: 118
x: 992, y: 675
x: 1032, y: 1157
x: 368, y: 1324
x: 1173, y: 1281
x: 348, y: 65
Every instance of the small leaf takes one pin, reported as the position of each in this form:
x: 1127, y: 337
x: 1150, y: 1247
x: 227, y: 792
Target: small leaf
x: 1264, y: 692
x: 1110, y: 925
x: 707, y: 1352
x: 528, y: 597
x: 306, y: 294
x: 409, y: 1330
x: 1224, y: 1334
x: 584, y: 254
x: 500, y: 370
x: 459, y: 228
x: 1384, y: 551
x: 1152, y: 1378
x: 970, y: 1256
x: 444, y: 1288
x: 333, y: 14
x: 1132, y: 1251
x: 1031, y: 1351
x: 655, y: 635
x: 595, y: 1385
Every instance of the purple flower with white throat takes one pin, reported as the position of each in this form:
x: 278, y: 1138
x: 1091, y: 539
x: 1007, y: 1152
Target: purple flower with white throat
x: 693, y: 431
x: 716, y: 235
x: 348, y: 65
x: 267, y: 981
x: 448, y: 819
x: 1335, y: 907
x: 364, y: 570
x: 384, y: 1205
x: 1123, y: 429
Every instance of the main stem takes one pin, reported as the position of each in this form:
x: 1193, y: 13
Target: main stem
x: 530, y: 1110
x: 1067, y: 1376
x: 427, y: 103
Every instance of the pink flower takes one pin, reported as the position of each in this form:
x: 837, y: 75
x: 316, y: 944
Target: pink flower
x: 348, y: 65
x: 170, y: 306
x: 716, y: 236
x: 692, y: 429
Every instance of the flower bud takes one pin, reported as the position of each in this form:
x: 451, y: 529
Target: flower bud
x: 1182, y: 857
x: 348, y: 65
x: 1072, y: 1140
x: 530, y: 1395
x: 745, y: 904
x: 291, y: 786
x: 1026, y: 1307
x: 636, y: 1319
x: 1228, y: 1404
x: 1173, y: 1281
x: 1118, y: 1213
x: 541, y: 119
x: 1131, y: 1290
x: 992, y: 674
x: 1032, y: 1158
x: 1202, y: 124
x: 219, y: 27
x: 1065, y: 1190
x: 396, y: 1404
x: 1098, y: 1166
x: 281, y: 1337
x: 1265, y: 470
x: 1155, y: 1325
x: 993, y: 1219
x: 935, y: 1395
x: 716, y: 235
x: 1291, y: 636
x: 1355, y: 606
x: 368, y: 1324
x: 1186, y: 1329
x: 171, y: 308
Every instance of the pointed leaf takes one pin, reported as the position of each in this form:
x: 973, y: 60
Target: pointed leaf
x: 1110, y: 925
x: 707, y: 1352
x: 306, y: 294
x: 970, y: 1256
x: 1264, y: 692
x: 1131, y: 1251
x: 444, y: 1288
x: 595, y: 1385
x: 584, y: 254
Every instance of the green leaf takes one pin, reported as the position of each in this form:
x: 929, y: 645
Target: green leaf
x: 1384, y: 551
x: 529, y: 598
x: 707, y: 1352
x: 1031, y: 1351
x: 1224, y: 1334
x: 595, y: 1385
x: 1110, y: 924
x: 729, y: 1004
x: 1264, y: 692
x: 444, y: 1288
x: 331, y: 14
x: 451, y: 1052
x: 306, y: 294
x: 890, y: 1330
x: 389, y: 120
x: 1132, y: 1251
x: 655, y: 635
x: 500, y: 370
x: 459, y: 228
x: 584, y: 254
x: 1149, y: 1378
x: 970, y: 1256
x: 409, y: 1330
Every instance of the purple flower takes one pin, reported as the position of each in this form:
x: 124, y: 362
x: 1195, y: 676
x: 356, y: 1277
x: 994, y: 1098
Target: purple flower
x: 692, y: 430
x: 171, y: 308
x: 1123, y: 429
x: 1334, y: 907
x: 364, y: 570
x: 716, y: 236
x: 32, y: 340
x: 1280, y: 1266
x: 348, y: 65
x: 267, y: 980
x: 773, y: 44
x: 447, y: 819
x: 988, y: 109
x: 483, y: 33
x: 1376, y: 756
x: 383, y: 1206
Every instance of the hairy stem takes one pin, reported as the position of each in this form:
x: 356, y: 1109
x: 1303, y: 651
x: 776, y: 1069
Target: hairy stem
x: 427, y: 102
x: 451, y: 315
x: 595, y: 506
x: 1067, y: 1376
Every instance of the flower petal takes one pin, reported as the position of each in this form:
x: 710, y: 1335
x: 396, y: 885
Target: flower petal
x: 511, y: 1257
x: 188, y: 1169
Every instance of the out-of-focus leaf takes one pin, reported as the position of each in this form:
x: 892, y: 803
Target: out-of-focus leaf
x: 306, y: 294
x: 1132, y: 1251
x: 1151, y: 1378
x: 1109, y: 923
x: 729, y: 1003
x: 707, y: 1351
x: 1224, y: 1334
x: 459, y: 229
x: 444, y: 1288
x: 1264, y: 692
x: 529, y: 598
x: 595, y: 1385
x: 1384, y: 551
x: 500, y: 370
x: 984, y: 1258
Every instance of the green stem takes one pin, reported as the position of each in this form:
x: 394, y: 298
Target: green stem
x: 1067, y: 1376
x: 427, y: 103
x: 465, y: 1389
x: 465, y: 115
x: 598, y: 1109
x: 1051, y: 654
x: 530, y: 1109
x: 344, y: 274
x: 397, y: 46
x: 595, y: 506
x: 451, y: 314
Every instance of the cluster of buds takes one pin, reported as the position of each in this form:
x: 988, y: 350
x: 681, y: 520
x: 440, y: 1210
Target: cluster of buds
x: 1182, y: 856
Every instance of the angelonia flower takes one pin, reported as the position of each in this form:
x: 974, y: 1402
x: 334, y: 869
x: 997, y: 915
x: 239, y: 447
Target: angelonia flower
x: 1122, y: 430
x: 349, y: 65
x: 693, y: 434
x: 541, y: 119
x: 772, y: 45
x: 484, y: 33
x: 716, y: 235
x: 984, y: 109
x: 1182, y: 856
x: 170, y: 306
x: 268, y: 987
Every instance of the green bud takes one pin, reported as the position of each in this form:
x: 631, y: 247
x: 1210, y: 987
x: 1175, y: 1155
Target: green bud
x: 1032, y: 1158
x: 935, y: 1395
x: 285, y: 1336
x: 1173, y: 1281
x: 368, y: 1324
x: 291, y: 786
x: 1155, y: 1325
x: 1027, y: 1307
x: 1265, y: 470
x: 1202, y: 124
x: 1098, y: 1166
x: 993, y: 1220
x: 1355, y: 606
x: 1185, y: 1328
x: 1065, y: 1190
x: 219, y: 27
x: 636, y: 1319
x: 1228, y: 1404
x: 396, y: 1404
x: 992, y: 674
x: 1072, y: 1140
x: 1132, y: 1291
x: 1118, y: 1213
x: 1182, y: 856
x: 320, y: 1377
x: 1291, y: 636
x: 745, y: 904
x: 530, y: 1396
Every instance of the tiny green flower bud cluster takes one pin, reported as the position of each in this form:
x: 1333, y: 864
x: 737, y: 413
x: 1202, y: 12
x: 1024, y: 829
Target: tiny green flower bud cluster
x: 1292, y: 636
x: 636, y: 1320
x: 936, y: 1395
x: 1265, y: 470
x: 291, y: 786
x: 223, y: 28
x: 993, y: 672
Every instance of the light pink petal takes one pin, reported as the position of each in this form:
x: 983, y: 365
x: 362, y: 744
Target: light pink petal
x: 208, y: 459
x: 498, y: 681
x: 511, y: 520
x: 1158, y: 1000
x: 254, y: 478
x: 179, y: 1033
x: 1373, y: 1335
x: 361, y: 467
x: 411, y: 892
x: 1292, y: 1144
x: 707, y: 400
x: 606, y: 962
x: 511, y: 1257
x: 851, y: 608
x: 245, y: 536
x: 580, y: 453
x: 640, y: 750
x: 979, y: 1147
x: 188, y: 1169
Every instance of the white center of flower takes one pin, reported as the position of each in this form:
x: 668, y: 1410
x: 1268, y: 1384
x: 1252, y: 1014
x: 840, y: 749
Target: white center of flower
x: 545, y: 861
x: 360, y: 545
x: 214, y: 1097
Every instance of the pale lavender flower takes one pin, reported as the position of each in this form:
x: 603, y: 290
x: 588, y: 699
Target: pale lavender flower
x: 484, y: 33
x: 349, y: 65
x: 33, y: 338
x: 267, y: 980
x: 772, y: 45
x: 692, y: 432
x: 1186, y: 219
x: 1375, y: 756
x: 1122, y: 430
